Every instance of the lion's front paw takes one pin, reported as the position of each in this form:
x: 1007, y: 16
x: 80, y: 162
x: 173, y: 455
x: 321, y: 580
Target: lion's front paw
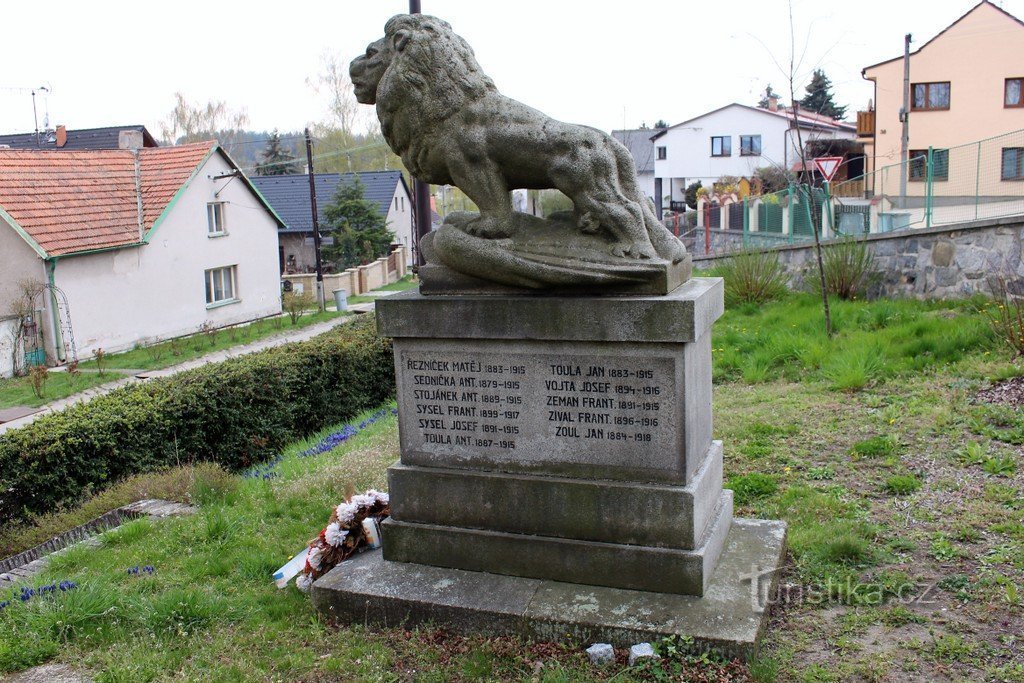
x: 636, y: 250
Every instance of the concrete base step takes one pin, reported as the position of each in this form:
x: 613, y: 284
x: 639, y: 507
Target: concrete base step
x: 636, y: 567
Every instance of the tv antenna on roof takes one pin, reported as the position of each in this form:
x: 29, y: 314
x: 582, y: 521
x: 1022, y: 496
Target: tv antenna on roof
x: 35, y: 116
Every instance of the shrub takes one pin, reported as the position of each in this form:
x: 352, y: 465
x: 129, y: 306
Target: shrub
x: 1005, y: 315
x: 236, y: 413
x: 296, y: 305
x: 753, y: 277
x: 848, y: 268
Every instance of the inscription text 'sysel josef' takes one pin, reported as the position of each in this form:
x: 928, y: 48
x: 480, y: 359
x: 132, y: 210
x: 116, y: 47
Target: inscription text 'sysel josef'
x: 510, y: 403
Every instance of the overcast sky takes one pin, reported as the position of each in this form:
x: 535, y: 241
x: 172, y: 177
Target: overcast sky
x: 605, y: 64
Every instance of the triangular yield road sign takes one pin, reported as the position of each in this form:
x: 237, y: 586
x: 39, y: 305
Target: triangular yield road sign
x: 828, y: 166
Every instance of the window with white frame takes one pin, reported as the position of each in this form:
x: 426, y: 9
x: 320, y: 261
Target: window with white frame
x: 220, y: 285
x: 215, y: 219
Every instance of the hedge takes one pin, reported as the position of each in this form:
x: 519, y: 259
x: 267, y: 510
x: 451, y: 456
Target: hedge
x: 237, y: 413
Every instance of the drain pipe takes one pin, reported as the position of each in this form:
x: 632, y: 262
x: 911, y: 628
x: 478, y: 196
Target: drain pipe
x: 58, y: 337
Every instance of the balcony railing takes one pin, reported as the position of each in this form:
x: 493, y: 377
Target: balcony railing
x: 866, y: 124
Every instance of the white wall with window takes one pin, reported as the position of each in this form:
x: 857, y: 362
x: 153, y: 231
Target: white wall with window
x: 734, y: 140
x: 182, y: 278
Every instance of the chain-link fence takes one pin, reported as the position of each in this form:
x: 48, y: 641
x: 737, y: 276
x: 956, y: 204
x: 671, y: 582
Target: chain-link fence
x: 935, y: 187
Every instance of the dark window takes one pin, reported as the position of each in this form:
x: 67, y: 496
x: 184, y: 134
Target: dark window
x: 750, y: 145
x: 721, y: 146
x: 930, y: 96
x: 1013, y: 163
x: 1012, y: 93
x: 919, y: 164
x: 662, y: 153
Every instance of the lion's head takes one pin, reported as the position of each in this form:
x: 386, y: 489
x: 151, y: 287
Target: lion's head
x: 417, y: 74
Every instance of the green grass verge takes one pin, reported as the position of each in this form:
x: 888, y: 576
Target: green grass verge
x: 18, y: 391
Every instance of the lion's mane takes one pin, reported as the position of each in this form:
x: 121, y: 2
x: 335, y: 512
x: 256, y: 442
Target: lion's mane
x: 432, y: 78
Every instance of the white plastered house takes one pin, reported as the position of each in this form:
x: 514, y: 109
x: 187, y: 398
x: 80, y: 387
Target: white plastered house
x: 129, y: 246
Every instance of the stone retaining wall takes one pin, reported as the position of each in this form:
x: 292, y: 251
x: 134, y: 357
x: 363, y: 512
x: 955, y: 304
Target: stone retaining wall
x: 936, y: 263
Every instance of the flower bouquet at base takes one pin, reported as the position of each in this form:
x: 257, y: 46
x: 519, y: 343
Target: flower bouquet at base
x: 353, y: 527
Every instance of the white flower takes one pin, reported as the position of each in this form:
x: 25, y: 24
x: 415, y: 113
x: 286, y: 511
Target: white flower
x: 314, y: 557
x: 304, y: 582
x: 346, y: 512
x: 379, y: 496
x: 363, y: 500
x: 334, y: 534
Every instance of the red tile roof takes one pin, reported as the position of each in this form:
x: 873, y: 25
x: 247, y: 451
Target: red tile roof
x: 70, y: 202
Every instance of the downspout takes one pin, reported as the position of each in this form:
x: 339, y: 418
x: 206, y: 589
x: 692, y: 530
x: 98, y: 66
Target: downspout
x: 138, y: 194
x: 58, y: 337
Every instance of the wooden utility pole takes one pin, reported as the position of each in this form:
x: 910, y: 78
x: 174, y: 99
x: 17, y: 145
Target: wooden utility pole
x: 905, y: 120
x: 316, y: 224
x: 420, y: 189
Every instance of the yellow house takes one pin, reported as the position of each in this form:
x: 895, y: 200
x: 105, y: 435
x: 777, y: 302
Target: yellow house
x: 965, y: 86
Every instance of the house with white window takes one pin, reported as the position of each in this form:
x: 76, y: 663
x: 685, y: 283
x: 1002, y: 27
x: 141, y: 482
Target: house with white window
x: 127, y: 246
x: 734, y: 140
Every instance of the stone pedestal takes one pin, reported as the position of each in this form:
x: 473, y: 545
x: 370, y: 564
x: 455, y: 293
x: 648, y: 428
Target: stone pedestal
x: 559, y: 439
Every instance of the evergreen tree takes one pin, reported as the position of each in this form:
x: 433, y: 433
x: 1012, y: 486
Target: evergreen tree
x: 276, y: 160
x: 359, y: 229
x: 661, y: 123
x: 690, y: 195
x: 764, y: 103
x: 819, y: 97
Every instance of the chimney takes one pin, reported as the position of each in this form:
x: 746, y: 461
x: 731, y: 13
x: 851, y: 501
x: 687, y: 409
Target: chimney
x: 62, y: 136
x: 129, y: 139
x: 773, y: 102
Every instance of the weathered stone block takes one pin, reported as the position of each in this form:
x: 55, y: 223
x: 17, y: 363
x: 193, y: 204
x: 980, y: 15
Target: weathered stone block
x: 942, y: 253
x: 585, y: 509
x: 601, y: 654
x: 663, y: 570
x: 682, y: 316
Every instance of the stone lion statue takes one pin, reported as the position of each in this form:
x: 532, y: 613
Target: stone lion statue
x: 446, y: 120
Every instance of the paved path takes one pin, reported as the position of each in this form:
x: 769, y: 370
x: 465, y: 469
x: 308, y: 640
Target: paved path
x: 215, y: 357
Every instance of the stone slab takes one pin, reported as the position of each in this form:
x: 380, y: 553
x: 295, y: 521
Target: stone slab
x: 585, y: 509
x: 729, y: 618
x: 625, y: 411
x: 683, y: 315
x: 437, y: 278
x: 663, y: 570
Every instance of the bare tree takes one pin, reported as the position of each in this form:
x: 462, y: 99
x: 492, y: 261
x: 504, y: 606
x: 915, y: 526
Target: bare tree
x: 334, y: 83
x: 190, y: 122
x: 794, y: 112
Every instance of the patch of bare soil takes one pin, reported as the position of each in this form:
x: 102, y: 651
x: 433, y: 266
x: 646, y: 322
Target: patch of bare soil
x: 1007, y: 392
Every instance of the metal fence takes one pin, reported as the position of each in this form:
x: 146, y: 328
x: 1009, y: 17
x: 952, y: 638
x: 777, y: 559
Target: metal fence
x: 935, y: 187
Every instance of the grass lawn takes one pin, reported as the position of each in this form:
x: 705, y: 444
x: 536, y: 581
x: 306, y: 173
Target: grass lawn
x: 407, y: 282
x: 18, y: 391
x: 904, y: 495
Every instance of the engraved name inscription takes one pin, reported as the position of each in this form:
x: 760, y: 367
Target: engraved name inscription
x: 514, y: 405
